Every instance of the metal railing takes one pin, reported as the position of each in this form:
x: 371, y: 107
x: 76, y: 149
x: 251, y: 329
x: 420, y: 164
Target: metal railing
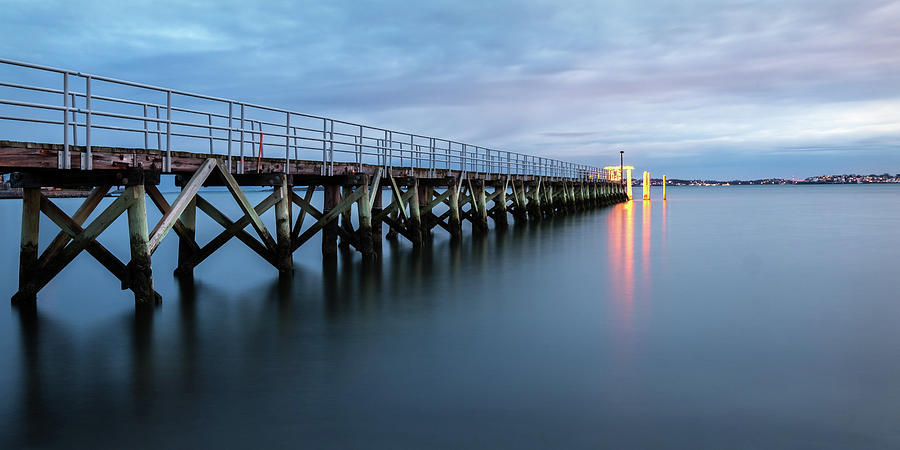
x: 166, y: 119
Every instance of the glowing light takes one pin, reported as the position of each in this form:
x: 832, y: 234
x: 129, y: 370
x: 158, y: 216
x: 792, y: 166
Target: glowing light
x: 614, y: 173
x: 645, y: 184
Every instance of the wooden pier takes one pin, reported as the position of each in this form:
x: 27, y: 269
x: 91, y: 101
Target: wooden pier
x: 96, y: 132
x: 477, y: 197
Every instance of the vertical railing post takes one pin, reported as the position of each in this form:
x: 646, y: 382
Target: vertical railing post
x: 74, y: 126
x: 287, y: 144
x: 209, y: 121
x: 146, y: 129
x: 359, y: 150
x: 87, y: 162
x: 324, y: 146
x: 240, y: 167
x: 331, y: 148
x: 389, y: 152
x: 230, y: 126
x: 168, y: 163
x: 158, y: 128
x: 463, y: 163
x: 64, y: 162
x: 296, y: 145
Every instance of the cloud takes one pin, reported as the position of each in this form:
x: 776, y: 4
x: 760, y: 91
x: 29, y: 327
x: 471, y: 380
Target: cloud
x: 673, y: 83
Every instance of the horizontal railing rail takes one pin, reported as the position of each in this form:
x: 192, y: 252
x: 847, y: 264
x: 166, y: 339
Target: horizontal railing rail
x: 165, y: 119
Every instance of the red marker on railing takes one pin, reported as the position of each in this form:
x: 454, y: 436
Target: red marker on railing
x: 259, y: 157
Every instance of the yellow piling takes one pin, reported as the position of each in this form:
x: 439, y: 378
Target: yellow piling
x: 664, y: 187
x: 645, y: 184
x: 628, y: 185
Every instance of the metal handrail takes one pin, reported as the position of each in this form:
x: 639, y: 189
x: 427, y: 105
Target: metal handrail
x: 296, y: 134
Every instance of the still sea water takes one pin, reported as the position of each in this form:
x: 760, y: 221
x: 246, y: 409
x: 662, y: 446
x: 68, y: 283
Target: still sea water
x: 725, y: 317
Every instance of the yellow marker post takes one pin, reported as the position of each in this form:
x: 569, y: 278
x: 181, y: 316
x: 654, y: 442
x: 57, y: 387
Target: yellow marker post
x: 628, y: 181
x: 646, y: 185
x: 664, y: 187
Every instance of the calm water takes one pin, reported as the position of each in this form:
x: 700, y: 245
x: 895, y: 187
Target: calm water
x: 741, y: 317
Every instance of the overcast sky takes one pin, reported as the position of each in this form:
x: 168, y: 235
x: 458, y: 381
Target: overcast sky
x: 711, y: 89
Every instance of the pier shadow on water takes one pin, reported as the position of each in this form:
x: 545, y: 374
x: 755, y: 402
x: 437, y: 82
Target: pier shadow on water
x: 210, y: 361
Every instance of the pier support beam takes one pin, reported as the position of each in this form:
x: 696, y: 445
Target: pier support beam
x: 364, y: 210
x: 550, y: 203
x: 534, y: 203
x: 479, y: 217
x: 283, y: 250
x: 414, y: 227
x: 140, y: 274
x: 377, y: 206
x: 500, y: 217
x: 425, y: 194
x: 28, y: 250
x: 330, y: 229
x: 188, y: 220
x: 455, y: 224
x: 520, y: 212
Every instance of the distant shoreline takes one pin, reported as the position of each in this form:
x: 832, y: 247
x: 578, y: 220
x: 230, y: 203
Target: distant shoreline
x: 51, y: 193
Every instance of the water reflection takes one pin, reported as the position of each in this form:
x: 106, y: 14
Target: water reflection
x: 646, y: 211
x: 620, y: 221
x: 504, y: 337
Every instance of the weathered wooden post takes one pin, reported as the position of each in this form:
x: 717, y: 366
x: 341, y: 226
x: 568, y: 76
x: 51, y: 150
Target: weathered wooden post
x: 455, y: 224
x: 414, y: 227
x: 28, y: 250
x: 364, y: 210
x: 585, y: 200
x: 392, y: 234
x: 534, y: 203
x: 551, y: 202
x: 481, y: 218
x: 576, y: 195
x: 284, y: 255
x: 377, y: 203
x: 520, y: 211
x: 140, y: 274
x: 425, y: 192
x: 500, y: 200
x: 330, y: 229
x: 345, y: 223
x: 188, y: 219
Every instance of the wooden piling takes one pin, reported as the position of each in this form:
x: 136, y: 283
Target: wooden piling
x: 414, y: 227
x: 283, y: 214
x: 500, y: 217
x: 345, y: 225
x: 480, y: 219
x: 28, y: 250
x: 188, y: 222
x: 330, y: 229
x: 455, y: 224
x: 425, y: 194
x: 364, y: 211
x: 550, y: 200
x: 140, y: 273
x: 377, y: 226
x: 534, y: 202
